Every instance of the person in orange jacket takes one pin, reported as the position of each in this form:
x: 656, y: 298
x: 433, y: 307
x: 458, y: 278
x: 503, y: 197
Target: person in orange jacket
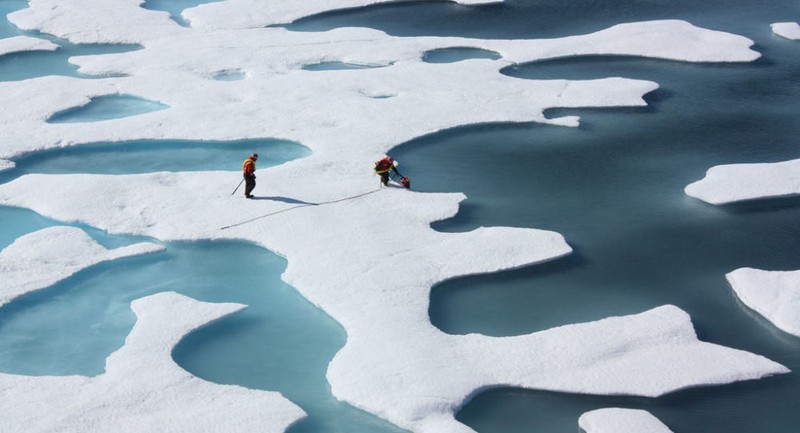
x: 249, y: 172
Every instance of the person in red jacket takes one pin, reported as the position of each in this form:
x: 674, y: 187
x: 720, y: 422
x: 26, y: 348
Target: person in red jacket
x: 384, y: 166
x: 249, y: 171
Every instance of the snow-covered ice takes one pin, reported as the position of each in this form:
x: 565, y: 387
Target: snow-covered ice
x: 142, y: 389
x: 372, y: 278
x: 739, y: 182
x: 617, y: 420
x: 6, y: 165
x: 790, y: 30
x: 773, y: 294
x: 43, y: 258
x: 25, y: 43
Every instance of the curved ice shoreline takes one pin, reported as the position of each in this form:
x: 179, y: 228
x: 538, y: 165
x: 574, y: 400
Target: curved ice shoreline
x: 142, y: 389
x: 41, y: 259
x: 395, y: 364
x: 739, y: 182
x: 616, y: 420
x: 773, y: 294
x: 18, y: 44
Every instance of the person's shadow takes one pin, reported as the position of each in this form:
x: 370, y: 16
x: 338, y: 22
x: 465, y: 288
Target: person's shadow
x: 284, y: 200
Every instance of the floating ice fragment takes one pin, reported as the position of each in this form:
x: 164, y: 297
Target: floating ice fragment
x: 787, y: 30
x: 616, y: 420
x: 738, y: 182
x: 773, y: 294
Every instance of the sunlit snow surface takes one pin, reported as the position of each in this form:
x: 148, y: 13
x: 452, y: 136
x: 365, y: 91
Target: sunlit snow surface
x: 773, y: 294
x: 787, y: 30
x: 614, y: 420
x: 395, y: 363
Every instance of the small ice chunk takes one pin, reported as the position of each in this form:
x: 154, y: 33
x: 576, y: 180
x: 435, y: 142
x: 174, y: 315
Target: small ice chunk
x: 787, y: 30
x: 773, y: 294
x: 617, y: 420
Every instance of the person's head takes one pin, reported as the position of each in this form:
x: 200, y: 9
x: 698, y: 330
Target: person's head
x: 254, y: 156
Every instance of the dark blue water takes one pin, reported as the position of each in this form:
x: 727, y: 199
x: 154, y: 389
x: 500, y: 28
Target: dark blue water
x: 614, y: 188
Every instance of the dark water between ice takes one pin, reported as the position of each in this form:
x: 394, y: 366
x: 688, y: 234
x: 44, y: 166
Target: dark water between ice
x: 613, y: 187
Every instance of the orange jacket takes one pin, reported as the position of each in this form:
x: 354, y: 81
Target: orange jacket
x: 249, y: 166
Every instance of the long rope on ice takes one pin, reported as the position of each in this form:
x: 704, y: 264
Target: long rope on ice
x: 298, y: 206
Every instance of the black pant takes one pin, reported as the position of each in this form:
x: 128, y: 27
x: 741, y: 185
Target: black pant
x: 249, y: 183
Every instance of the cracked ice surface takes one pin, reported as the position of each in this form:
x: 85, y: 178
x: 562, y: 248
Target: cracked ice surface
x: 773, y: 294
x: 739, y: 182
x: 616, y: 420
x: 43, y: 258
x: 142, y: 389
x: 395, y: 363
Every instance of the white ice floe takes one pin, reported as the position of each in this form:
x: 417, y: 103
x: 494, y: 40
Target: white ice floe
x: 6, y: 165
x: 366, y: 256
x: 370, y: 262
x: 142, y: 389
x: 25, y: 43
x: 787, y: 30
x: 617, y: 420
x: 739, y: 182
x: 772, y: 294
x: 43, y: 258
